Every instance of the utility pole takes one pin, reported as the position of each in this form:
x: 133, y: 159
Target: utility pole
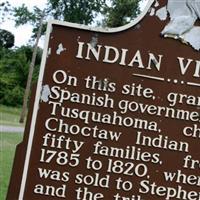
x: 31, y: 69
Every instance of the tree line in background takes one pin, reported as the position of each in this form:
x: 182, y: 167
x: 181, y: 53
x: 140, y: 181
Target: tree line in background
x: 15, y: 61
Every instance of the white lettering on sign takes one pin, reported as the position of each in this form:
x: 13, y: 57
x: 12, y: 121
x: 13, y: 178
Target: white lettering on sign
x: 111, y: 55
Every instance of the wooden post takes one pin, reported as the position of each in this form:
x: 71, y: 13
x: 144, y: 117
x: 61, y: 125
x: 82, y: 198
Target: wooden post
x: 30, y: 75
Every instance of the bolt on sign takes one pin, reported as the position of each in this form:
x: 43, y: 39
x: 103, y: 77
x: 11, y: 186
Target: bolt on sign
x: 116, y: 114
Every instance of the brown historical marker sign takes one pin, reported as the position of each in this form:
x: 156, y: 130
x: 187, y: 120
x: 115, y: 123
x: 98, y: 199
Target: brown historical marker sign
x: 116, y: 114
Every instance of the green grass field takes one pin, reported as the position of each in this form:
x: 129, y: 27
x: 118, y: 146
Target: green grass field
x: 10, y: 116
x: 8, y: 142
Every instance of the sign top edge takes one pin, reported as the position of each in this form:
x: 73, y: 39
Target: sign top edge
x: 106, y: 29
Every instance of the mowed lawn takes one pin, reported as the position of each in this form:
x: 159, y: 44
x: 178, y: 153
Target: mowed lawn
x: 8, y: 142
x: 10, y: 116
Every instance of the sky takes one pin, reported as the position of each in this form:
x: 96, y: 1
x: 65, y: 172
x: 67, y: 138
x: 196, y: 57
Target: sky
x: 23, y: 33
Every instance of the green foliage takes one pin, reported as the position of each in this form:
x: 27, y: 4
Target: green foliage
x: 7, y: 39
x: 121, y: 12
x: 23, y: 16
x: 14, y: 66
x: 79, y: 11
x: 14, y: 96
x: 5, y: 9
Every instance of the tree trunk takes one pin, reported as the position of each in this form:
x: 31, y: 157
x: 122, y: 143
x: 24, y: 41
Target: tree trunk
x: 31, y: 69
